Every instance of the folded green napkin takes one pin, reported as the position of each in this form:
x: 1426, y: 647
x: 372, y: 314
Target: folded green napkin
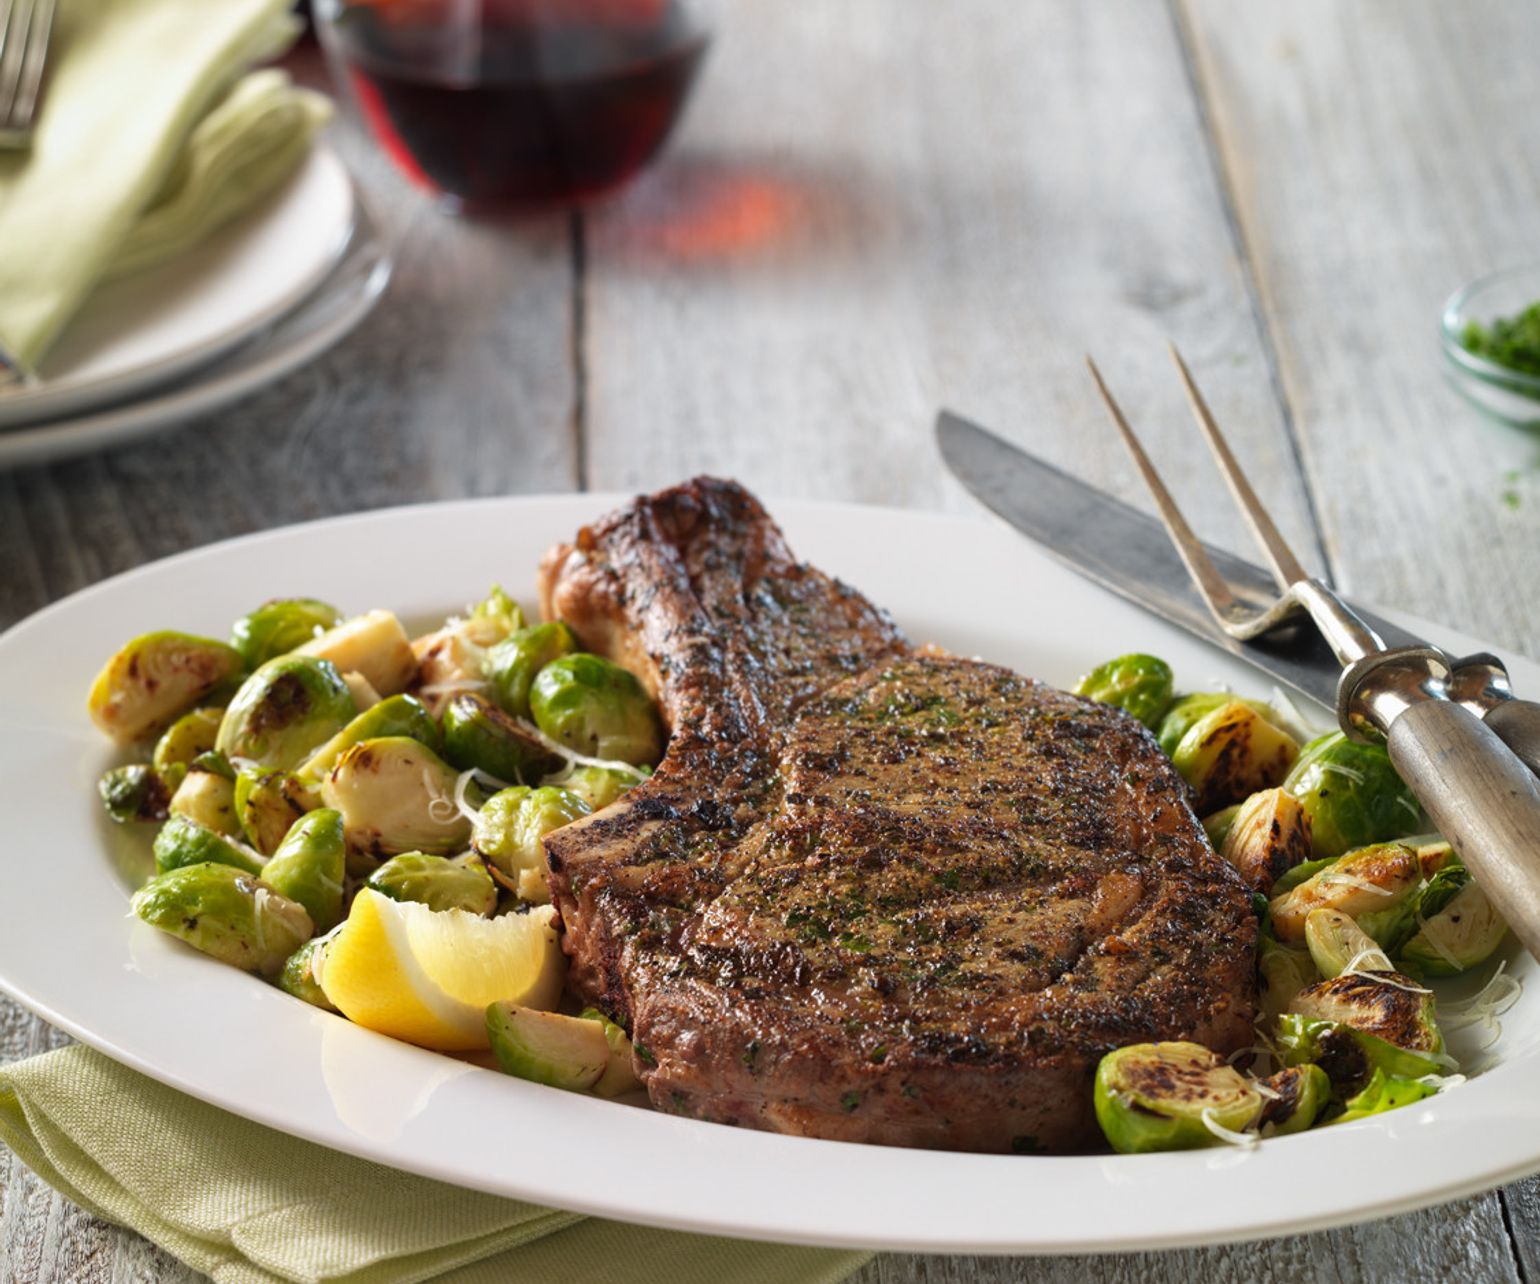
x: 128, y: 80
x: 253, y: 139
x: 248, y: 1205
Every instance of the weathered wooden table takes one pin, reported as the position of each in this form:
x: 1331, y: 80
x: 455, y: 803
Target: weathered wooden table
x: 874, y: 210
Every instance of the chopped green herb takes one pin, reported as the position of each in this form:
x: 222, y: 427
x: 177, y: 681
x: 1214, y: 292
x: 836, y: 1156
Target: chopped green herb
x: 1509, y: 341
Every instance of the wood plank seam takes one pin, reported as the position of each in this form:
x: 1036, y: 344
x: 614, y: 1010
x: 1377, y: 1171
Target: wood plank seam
x: 1186, y: 48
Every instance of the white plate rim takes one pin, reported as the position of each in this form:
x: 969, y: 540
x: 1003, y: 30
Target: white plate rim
x: 52, y: 399
x: 1482, y: 1134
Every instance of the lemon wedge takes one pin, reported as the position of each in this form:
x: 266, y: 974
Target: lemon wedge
x: 427, y: 976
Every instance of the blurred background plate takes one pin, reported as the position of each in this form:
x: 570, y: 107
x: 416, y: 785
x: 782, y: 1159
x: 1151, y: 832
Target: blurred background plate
x: 163, y: 323
x: 344, y: 297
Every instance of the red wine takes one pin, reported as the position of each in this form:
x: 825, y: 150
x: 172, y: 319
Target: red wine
x: 533, y: 105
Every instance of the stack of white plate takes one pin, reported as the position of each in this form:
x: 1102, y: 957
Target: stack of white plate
x: 267, y: 293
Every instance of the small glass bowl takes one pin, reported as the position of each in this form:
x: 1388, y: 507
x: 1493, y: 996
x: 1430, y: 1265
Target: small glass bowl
x: 1510, y: 395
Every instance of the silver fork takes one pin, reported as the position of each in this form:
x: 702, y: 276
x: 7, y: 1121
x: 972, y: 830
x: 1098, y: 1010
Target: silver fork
x: 1425, y: 707
x: 24, y: 29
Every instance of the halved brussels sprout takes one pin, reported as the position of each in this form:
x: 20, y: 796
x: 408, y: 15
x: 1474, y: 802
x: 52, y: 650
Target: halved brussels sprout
x: 374, y: 645
x: 453, y: 659
x: 135, y: 792
x: 1336, y: 942
x: 1179, y: 719
x: 298, y: 976
x: 227, y: 914
x: 1383, y: 1092
x: 395, y: 795
x: 509, y: 829
x: 1466, y: 931
x: 309, y: 864
x: 1232, y: 752
x: 1285, y: 972
x: 437, y: 882
x: 1217, y: 825
x: 1374, y: 885
x: 1165, y: 1096
x: 620, y: 1076
x: 1269, y: 835
x: 1295, y: 1098
x: 185, y: 842
x: 284, y: 710
x: 1352, y: 795
x: 279, y: 626
x: 546, y: 1047
x: 266, y: 804
x: 208, y: 798
x: 1350, y: 1057
x: 192, y: 734
x: 499, y: 608
x: 397, y: 715
x: 1138, y: 684
x: 598, y: 786
x: 155, y: 679
x: 596, y: 708
x: 1387, y: 1005
x: 477, y: 734
x: 511, y: 665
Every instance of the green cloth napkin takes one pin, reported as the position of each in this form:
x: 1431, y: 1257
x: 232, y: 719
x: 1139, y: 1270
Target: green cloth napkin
x: 248, y: 1205
x: 253, y: 139
x: 128, y: 80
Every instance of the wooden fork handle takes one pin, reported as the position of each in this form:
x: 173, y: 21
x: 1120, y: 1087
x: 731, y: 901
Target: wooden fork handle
x: 1482, y: 798
x: 1517, y: 723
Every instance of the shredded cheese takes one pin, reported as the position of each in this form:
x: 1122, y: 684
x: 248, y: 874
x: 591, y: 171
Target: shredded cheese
x: 1245, y: 1140
x: 1492, y: 1001
x: 442, y: 807
x: 1333, y: 878
x: 1338, y: 769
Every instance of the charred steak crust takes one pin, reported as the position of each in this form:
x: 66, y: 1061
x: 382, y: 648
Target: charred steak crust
x: 868, y: 894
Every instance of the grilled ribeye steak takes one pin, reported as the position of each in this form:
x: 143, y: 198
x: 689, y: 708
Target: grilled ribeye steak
x: 871, y: 894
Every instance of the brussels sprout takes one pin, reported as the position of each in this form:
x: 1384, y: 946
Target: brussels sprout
x: 1294, y: 1099
x: 155, y: 679
x: 508, y: 833
x: 620, y: 1076
x: 596, y: 708
x: 477, y: 734
x: 1433, y: 854
x: 1165, y: 1096
x: 1387, y: 1005
x: 1350, y: 1057
x: 207, y: 797
x: 362, y: 690
x: 436, y: 881
x: 185, y: 842
x: 1375, y: 885
x: 397, y: 715
x: 279, y: 626
x: 1269, y: 835
x: 266, y: 804
x: 511, y: 665
x: 500, y: 609
x: 1300, y: 873
x: 284, y: 710
x: 546, y: 1047
x: 134, y: 792
x: 1232, y: 752
x: 1464, y: 932
x: 374, y: 645
x: 298, y: 976
x: 1381, y: 1093
x: 598, y: 786
x: 1352, y: 795
x: 1180, y: 718
x: 395, y: 795
x: 1284, y: 972
x: 1217, y: 825
x: 227, y: 914
x: 308, y: 866
x: 1139, y: 684
x: 189, y: 736
x: 1337, y: 943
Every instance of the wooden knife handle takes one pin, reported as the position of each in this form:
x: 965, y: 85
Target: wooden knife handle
x: 1517, y: 723
x: 1482, y: 799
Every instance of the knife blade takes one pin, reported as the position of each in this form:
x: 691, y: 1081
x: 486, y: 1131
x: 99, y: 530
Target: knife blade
x: 1128, y: 552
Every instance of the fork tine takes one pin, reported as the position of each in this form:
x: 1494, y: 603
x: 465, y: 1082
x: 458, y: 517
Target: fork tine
x: 1221, y: 601
x: 14, y: 21
x: 1285, y: 566
x: 32, y: 64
